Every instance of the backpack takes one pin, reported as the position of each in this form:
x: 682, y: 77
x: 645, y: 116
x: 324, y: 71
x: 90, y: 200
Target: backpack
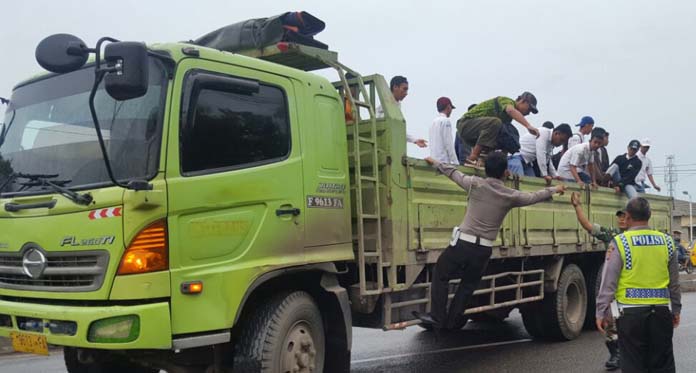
x: 508, y: 136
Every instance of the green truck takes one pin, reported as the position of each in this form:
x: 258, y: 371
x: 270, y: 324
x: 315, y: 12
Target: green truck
x: 183, y: 208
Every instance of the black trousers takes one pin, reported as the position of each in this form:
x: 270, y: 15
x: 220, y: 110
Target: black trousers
x: 466, y: 261
x: 645, y: 339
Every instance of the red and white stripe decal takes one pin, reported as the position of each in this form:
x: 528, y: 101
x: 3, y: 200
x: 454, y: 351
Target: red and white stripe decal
x: 105, y: 213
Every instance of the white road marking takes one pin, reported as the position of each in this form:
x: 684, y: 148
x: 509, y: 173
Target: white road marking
x: 439, y: 351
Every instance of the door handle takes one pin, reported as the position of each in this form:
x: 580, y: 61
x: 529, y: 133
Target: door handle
x: 294, y: 211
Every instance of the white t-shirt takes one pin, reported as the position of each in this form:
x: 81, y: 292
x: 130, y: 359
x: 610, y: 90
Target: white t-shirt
x: 380, y: 114
x: 645, y: 170
x: 538, y: 149
x: 579, y: 156
x: 441, y: 142
x: 577, y: 138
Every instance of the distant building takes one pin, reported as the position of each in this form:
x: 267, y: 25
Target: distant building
x: 680, y: 218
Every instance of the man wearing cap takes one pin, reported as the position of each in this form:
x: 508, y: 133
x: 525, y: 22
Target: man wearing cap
x: 480, y: 126
x: 441, y: 143
x: 624, y: 169
x: 642, y: 275
x: 605, y: 234
x: 586, y: 125
x: 647, y: 170
x: 399, y: 90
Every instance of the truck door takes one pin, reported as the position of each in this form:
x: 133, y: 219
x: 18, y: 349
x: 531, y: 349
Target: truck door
x: 235, y: 181
x: 326, y: 183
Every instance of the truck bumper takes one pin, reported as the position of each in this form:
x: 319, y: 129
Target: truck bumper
x: 154, y: 329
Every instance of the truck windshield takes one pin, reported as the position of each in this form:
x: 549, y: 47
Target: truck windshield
x: 49, y: 131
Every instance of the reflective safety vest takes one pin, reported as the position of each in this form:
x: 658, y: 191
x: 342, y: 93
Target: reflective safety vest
x: 644, y: 277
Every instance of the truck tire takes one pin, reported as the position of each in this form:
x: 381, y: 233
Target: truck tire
x: 594, y: 280
x: 564, y: 311
x: 532, y: 318
x: 283, y: 334
x: 73, y: 365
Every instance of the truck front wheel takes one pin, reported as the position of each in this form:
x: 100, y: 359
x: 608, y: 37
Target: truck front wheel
x: 282, y: 334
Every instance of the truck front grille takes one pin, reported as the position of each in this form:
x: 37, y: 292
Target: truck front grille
x: 65, y: 272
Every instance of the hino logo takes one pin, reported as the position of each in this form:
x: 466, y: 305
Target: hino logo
x: 34, y: 263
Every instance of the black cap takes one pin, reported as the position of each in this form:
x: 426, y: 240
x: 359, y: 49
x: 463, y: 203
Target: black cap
x: 620, y: 212
x: 634, y: 144
x: 529, y: 98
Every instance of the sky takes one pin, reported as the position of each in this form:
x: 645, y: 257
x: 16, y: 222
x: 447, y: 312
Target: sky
x: 627, y: 63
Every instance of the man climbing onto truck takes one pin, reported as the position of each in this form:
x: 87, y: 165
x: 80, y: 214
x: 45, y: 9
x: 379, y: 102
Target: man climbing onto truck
x: 470, y: 247
x: 480, y: 126
x: 606, y: 235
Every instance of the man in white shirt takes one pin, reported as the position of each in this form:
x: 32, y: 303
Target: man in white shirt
x: 399, y: 89
x: 538, y: 150
x: 441, y: 143
x: 586, y: 124
x: 647, y: 170
x: 576, y: 159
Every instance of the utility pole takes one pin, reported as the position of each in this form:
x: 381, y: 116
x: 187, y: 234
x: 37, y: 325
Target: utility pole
x: 691, y: 218
x: 670, y: 175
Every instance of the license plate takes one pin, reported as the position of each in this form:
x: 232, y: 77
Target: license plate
x: 30, y: 343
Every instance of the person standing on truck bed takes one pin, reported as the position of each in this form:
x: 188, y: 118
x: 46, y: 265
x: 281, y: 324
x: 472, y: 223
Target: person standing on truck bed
x: 470, y: 247
x: 586, y: 125
x: 641, y: 273
x: 441, y: 143
x: 606, y: 235
x: 647, y: 171
x: 399, y: 89
x: 480, y: 126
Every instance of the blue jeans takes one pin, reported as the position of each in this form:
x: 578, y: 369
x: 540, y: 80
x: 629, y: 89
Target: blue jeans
x: 518, y: 167
x: 631, y: 190
x: 587, y: 179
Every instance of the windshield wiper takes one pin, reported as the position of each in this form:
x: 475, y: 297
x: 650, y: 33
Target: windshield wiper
x: 57, y: 185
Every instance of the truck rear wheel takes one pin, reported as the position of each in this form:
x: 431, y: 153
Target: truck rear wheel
x: 594, y: 280
x: 532, y: 318
x: 564, y: 311
x: 73, y: 365
x: 283, y: 334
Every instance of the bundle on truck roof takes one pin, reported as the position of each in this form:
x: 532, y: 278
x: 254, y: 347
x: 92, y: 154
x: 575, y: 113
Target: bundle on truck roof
x: 182, y: 207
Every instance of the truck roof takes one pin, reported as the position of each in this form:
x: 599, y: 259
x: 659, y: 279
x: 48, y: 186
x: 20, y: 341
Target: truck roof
x: 287, y: 59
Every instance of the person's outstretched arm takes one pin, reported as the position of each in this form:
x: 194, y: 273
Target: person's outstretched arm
x: 452, y: 172
x: 575, y: 200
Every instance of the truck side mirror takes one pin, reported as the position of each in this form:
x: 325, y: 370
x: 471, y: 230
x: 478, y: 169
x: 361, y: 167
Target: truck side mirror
x: 61, y: 53
x: 127, y: 66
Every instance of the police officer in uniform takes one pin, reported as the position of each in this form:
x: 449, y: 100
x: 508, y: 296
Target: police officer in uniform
x: 641, y: 273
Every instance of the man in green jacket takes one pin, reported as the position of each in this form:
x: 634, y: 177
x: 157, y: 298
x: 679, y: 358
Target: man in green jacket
x: 479, y: 126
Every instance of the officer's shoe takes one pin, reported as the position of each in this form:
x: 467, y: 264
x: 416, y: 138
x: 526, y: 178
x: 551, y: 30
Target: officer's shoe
x: 613, y: 362
x: 427, y: 320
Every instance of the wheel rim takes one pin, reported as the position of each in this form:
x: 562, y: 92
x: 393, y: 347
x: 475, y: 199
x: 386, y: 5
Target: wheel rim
x: 573, y: 305
x: 299, y: 350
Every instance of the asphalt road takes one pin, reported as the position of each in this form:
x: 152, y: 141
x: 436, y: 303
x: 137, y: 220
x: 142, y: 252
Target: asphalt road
x: 479, y: 347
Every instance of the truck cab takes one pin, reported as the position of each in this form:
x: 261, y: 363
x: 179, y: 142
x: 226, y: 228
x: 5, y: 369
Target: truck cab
x: 248, y: 191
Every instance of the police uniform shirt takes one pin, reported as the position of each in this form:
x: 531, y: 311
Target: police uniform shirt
x: 610, y: 279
